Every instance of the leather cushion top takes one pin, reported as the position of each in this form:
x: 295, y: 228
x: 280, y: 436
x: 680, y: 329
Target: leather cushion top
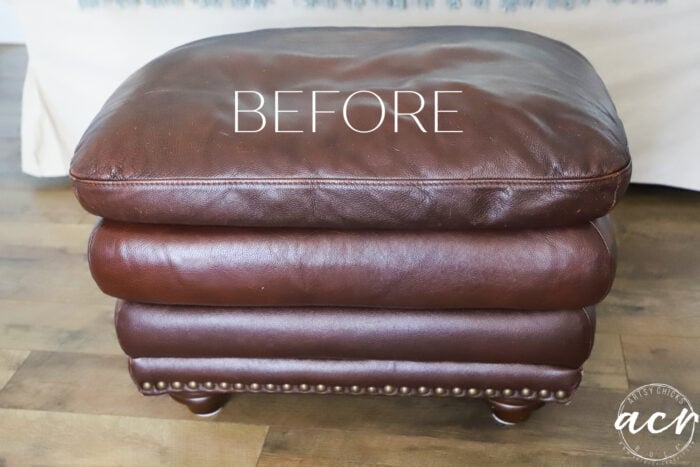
x: 541, y: 142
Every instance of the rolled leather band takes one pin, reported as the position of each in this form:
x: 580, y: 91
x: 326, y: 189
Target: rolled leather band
x: 555, y: 338
x: 539, y: 269
x: 202, y: 375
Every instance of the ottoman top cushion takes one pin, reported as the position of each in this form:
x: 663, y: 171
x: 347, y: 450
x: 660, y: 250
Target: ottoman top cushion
x: 436, y: 128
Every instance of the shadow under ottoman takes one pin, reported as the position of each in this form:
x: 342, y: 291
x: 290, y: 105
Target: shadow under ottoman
x: 462, y: 260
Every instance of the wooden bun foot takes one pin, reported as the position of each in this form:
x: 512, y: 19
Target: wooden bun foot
x: 512, y: 411
x: 201, y: 403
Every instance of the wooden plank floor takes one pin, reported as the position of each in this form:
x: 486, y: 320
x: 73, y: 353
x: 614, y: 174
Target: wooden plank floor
x: 66, y: 397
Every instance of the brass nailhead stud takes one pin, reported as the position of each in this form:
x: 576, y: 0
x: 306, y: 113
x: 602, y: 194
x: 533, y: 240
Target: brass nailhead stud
x: 270, y: 387
x: 560, y: 394
x: 489, y: 392
x: 303, y: 387
x: 286, y: 387
x: 508, y: 392
x: 371, y: 390
x: 389, y: 389
x: 161, y: 385
x: 223, y: 385
x: 254, y: 387
x: 176, y: 385
x: 473, y: 392
x: 147, y: 386
x: 526, y: 392
x: 238, y: 386
x: 456, y: 391
x: 404, y: 390
x: 355, y: 388
x: 544, y: 393
x: 192, y: 385
x: 423, y: 390
x: 439, y: 391
x: 209, y: 385
x: 320, y: 387
x: 338, y: 388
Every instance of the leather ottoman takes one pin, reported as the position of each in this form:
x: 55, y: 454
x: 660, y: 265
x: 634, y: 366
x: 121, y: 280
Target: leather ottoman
x: 414, y: 211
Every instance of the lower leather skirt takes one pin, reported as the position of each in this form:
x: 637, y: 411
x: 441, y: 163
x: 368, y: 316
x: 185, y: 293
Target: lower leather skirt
x: 555, y: 338
x: 204, y: 376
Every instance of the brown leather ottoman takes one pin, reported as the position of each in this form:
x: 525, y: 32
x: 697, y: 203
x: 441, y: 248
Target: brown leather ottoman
x: 415, y: 211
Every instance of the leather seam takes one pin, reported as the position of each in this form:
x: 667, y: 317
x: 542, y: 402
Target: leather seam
x: 117, y: 312
x: 611, y: 257
x: 91, y: 241
x: 350, y: 182
x: 617, y: 188
x: 592, y: 333
x: 602, y: 238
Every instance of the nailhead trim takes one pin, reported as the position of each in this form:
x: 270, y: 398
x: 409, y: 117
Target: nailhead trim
x: 387, y: 390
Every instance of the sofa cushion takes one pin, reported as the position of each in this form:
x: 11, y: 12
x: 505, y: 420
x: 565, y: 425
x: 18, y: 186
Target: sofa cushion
x: 509, y: 129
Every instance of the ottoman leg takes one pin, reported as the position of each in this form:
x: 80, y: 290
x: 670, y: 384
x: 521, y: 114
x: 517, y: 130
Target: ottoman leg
x: 511, y: 412
x: 201, y: 403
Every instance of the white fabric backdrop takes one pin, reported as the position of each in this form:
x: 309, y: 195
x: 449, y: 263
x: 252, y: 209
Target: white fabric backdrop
x: 9, y: 25
x: 649, y: 56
